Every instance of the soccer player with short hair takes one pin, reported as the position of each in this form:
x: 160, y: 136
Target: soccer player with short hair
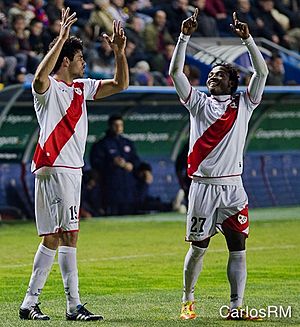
x: 218, y: 130
x: 60, y: 105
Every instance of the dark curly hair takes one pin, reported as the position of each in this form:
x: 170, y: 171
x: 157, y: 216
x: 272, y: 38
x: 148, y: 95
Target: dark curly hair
x: 233, y: 75
x: 71, y: 46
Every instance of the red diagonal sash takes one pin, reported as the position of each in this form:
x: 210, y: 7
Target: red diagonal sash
x: 62, y: 132
x: 212, y: 136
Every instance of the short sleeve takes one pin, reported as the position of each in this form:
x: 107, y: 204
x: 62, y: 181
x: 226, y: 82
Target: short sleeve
x: 40, y: 99
x: 91, y: 87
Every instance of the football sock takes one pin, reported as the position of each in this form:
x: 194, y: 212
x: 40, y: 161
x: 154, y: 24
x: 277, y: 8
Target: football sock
x: 42, y: 264
x: 68, y: 267
x: 192, y: 267
x: 237, y: 274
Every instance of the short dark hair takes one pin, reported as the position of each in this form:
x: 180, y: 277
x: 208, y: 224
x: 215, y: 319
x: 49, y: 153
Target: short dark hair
x: 113, y: 118
x: 233, y: 75
x: 71, y: 46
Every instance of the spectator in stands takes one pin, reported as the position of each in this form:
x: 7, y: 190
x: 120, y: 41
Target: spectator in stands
x: 40, y: 12
x: 218, y: 128
x: 117, y: 10
x: 101, y: 61
x: 271, y: 30
x: 131, y: 8
x: 115, y: 159
x: 134, y: 31
x: 290, y: 8
x: 156, y: 37
x: 246, y: 14
x: 141, y: 75
x: 177, y: 11
x: 10, y: 45
x: 50, y: 33
x: 24, y: 49
x: 22, y: 7
x: 36, y: 41
x: 217, y: 10
x: 8, y: 63
x: 20, y: 75
x: 100, y: 20
x: 131, y: 56
x: 207, y: 25
x: 167, y: 55
x: 84, y: 7
x: 53, y: 9
x: 276, y: 70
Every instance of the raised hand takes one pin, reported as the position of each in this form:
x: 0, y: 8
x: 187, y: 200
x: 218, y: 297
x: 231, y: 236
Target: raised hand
x: 118, y: 40
x: 190, y: 24
x: 67, y: 21
x: 239, y: 28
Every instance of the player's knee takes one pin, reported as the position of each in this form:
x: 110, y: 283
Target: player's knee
x: 237, y: 243
x: 69, y: 239
x: 51, y: 241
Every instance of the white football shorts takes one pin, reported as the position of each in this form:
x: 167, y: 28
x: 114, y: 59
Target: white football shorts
x: 213, y: 206
x: 57, y: 201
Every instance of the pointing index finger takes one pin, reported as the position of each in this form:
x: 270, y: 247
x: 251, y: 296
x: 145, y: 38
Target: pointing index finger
x: 195, y: 14
x: 235, y: 19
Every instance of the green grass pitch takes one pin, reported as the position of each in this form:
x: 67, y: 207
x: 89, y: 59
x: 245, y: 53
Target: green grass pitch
x: 130, y: 270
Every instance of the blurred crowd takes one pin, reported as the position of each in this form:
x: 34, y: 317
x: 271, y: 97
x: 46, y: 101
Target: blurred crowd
x: 152, y: 27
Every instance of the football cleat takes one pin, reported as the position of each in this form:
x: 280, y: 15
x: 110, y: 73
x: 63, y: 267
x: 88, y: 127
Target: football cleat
x: 34, y: 313
x: 241, y: 314
x: 82, y: 314
x: 188, y: 310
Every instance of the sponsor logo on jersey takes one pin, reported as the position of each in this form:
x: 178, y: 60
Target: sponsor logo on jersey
x: 56, y: 200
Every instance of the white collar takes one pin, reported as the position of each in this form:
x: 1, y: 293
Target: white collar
x: 222, y: 98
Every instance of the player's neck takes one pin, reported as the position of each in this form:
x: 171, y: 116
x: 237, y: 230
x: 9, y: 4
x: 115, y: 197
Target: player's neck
x: 64, y: 76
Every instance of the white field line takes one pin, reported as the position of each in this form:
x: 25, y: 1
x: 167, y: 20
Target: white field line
x: 138, y: 256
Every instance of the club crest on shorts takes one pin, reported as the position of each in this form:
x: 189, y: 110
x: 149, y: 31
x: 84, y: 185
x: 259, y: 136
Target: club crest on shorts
x: 242, y: 219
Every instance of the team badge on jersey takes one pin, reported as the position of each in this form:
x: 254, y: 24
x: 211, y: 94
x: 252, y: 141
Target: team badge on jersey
x: 78, y: 90
x: 127, y: 148
x: 242, y: 219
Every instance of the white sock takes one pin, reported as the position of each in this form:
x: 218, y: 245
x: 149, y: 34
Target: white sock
x: 237, y: 275
x: 42, y: 264
x: 68, y: 267
x: 192, y: 267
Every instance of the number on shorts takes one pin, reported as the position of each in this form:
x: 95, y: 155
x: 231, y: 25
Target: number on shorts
x: 195, y: 220
x: 73, y: 211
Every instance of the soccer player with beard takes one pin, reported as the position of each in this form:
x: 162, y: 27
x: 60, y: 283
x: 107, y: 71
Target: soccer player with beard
x: 60, y: 106
x: 218, y: 130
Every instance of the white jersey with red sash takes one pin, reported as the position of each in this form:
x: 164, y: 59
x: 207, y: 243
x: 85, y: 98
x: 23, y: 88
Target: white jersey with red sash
x: 62, y: 117
x: 218, y: 130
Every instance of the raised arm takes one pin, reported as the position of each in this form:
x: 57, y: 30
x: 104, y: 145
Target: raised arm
x: 120, y: 81
x: 259, y: 77
x: 180, y: 80
x: 41, y: 80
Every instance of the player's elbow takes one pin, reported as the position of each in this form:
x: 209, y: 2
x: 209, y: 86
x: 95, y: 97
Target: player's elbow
x: 172, y: 71
x: 123, y: 86
x: 120, y: 85
x: 264, y: 71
